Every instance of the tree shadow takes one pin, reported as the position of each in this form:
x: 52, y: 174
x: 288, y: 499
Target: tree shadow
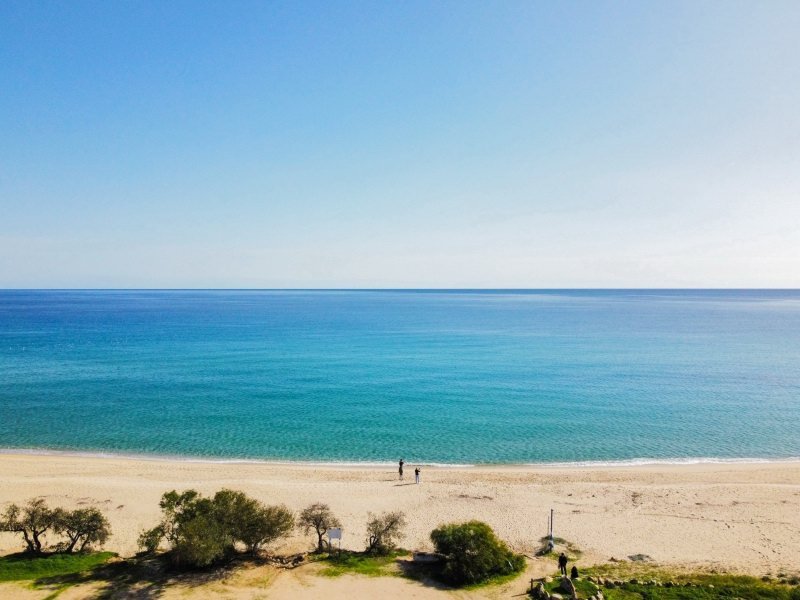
x: 142, y: 578
x: 428, y: 575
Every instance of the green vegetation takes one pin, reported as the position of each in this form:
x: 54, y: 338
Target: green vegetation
x: 24, y: 566
x: 384, y: 531
x: 204, y: 531
x: 561, y: 545
x: 473, y: 553
x: 319, y: 518
x: 675, y: 586
x: 82, y: 527
x: 584, y: 588
x: 361, y: 563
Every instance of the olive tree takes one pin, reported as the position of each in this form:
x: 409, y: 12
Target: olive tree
x: 32, y: 521
x: 83, y: 527
x: 201, y: 531
x: 318, y: 517
x: 383, y: 531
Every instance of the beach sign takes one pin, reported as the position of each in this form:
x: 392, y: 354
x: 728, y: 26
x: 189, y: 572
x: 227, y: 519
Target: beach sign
x: 335, y: 533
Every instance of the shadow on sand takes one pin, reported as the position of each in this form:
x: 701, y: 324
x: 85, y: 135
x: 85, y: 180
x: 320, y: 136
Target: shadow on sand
x: 141, y: 578
x: 424, y: 574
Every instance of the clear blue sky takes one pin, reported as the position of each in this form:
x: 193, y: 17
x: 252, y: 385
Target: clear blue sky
x: 399, y: 144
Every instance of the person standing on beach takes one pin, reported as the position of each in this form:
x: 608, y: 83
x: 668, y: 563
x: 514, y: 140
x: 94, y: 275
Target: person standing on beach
x: 400, y: 470
x: 416, y: 475
x: 562, y: 564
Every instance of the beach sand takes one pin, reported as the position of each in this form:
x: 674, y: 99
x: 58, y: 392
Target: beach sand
x: 736, y: 517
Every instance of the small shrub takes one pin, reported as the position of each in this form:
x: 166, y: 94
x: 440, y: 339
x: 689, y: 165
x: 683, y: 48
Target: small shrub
x: 150, y: 539
x: 473, y: 553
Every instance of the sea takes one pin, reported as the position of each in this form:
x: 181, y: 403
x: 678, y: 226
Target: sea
x: 458, y: 377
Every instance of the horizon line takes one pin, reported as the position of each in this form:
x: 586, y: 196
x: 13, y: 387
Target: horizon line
x: 393, y: 289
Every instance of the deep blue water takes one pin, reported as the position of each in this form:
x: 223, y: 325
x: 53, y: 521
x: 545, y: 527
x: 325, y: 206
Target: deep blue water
x: 452, y: 377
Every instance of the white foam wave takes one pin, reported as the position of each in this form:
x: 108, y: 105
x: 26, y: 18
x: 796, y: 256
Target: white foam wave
x: 634, y: 462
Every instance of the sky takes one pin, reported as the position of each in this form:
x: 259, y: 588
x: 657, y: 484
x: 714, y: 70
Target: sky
x: 399, y: 144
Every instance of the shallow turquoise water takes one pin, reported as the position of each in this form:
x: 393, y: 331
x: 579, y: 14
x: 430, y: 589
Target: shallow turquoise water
x: 449, y: 377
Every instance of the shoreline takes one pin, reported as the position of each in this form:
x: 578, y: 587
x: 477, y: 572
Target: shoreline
x: 586, y: 464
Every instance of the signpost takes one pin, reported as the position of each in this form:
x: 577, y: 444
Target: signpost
x: 550, y: 543
x: 335, y: 533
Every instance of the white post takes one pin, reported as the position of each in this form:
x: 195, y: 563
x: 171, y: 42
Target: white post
x: 551, y: 524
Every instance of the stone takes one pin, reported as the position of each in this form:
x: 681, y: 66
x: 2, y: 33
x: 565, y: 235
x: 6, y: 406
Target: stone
x: 548, y: 579
x: 568, y: 587
x: 539, y: 592
x: 556, y: 597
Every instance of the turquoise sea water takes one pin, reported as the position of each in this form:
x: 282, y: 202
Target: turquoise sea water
x: 433, y: 376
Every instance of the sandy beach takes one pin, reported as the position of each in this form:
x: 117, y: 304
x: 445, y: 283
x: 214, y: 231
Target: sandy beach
x: 743, y: 517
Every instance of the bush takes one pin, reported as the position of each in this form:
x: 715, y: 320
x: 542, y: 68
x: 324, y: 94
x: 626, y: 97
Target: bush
x: 201, y: 531
x: 150, y: 539
x: 473, y: 553
x: 201, y: 543
x: 384, y: 531
x: 264, y: 525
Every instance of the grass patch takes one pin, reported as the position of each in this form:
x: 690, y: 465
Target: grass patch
x: 25, y: 567
x: 360, y: 563
x: 701, y: 586
x: 583, y: 587
x: 496, y: 580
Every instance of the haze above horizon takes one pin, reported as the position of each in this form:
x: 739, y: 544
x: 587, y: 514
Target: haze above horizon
x: 408, y: 145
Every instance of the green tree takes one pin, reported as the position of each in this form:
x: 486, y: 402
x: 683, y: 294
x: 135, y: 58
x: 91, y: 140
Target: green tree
x: 318, y: 517
x: 83, y: 527
x: 201, y: 531
x: 32, y: 521
x: 200, y: 543
x: 384, y: 531
x: 473, y: 553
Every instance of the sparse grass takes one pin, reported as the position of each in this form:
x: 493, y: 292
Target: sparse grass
x: 360, y: 563
x: 561, y: 545
x: 702, y: 586
x: 22, y: 567
x: 496, y: 580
